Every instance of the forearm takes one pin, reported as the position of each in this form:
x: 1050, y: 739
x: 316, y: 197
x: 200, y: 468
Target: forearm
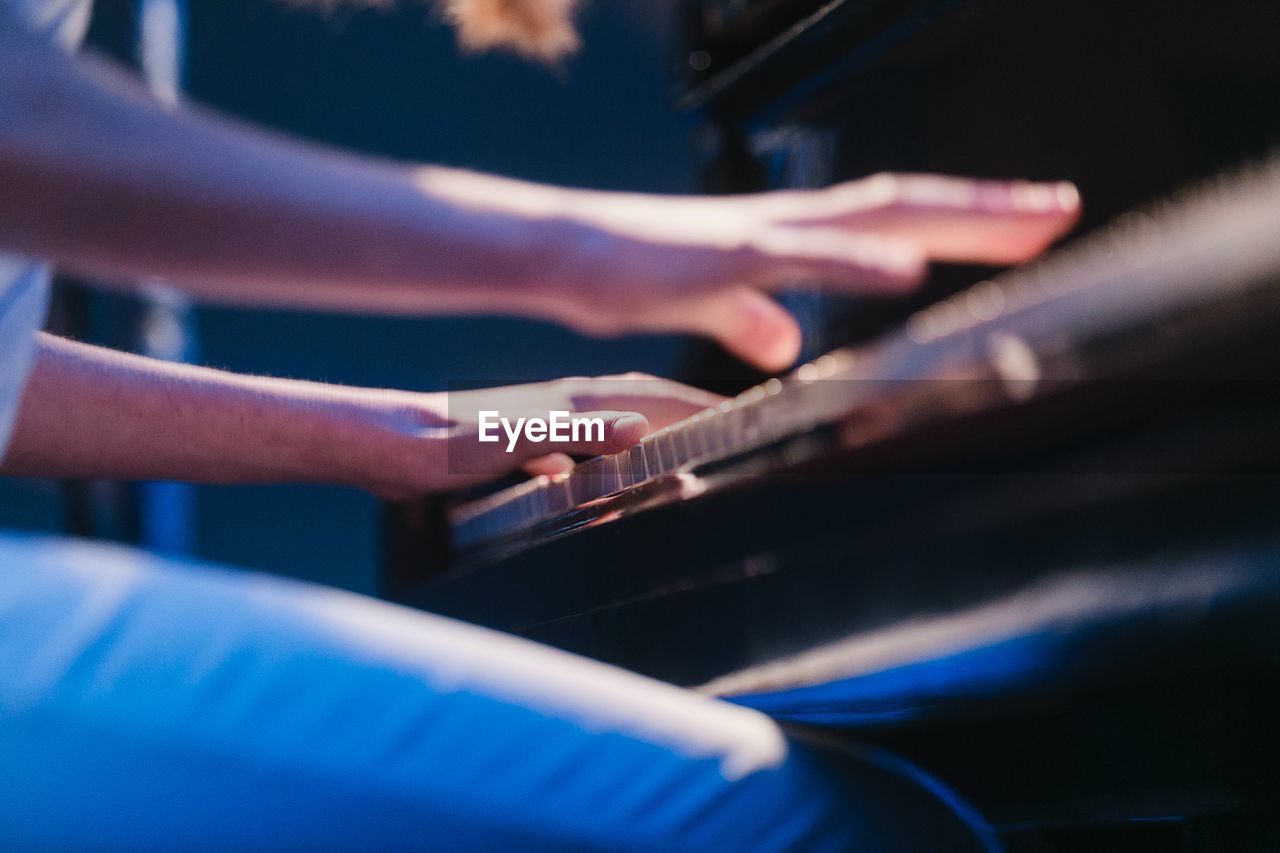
x: 103, y: 180
x: 98, y: 413
x: 91, y: 412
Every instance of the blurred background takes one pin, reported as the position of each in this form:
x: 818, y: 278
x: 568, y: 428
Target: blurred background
x: 390, y: 81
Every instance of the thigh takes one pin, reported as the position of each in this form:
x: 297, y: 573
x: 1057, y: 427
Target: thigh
x: 149, y: 702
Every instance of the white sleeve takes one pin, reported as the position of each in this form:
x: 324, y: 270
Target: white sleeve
x: 24, y: 299
x: 24, y: 284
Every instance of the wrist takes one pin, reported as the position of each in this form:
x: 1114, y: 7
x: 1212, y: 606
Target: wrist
x: 514, y: 245
x: 381, y: 442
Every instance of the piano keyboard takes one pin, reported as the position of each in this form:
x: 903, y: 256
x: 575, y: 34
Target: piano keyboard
x: 759, y: 417
x: 1027, y: 325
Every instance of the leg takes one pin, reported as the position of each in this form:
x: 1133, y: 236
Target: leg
x: 153, y: 703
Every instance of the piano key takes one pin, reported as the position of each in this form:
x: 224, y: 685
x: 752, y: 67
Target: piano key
x: 636, y: 461
x: 559, y: 495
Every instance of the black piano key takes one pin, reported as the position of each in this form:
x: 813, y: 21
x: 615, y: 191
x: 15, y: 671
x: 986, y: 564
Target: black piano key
x: 758, y: 416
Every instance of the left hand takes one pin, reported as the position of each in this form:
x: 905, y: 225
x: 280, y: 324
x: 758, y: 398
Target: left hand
x: 441, y: 450
x: 631, y: 262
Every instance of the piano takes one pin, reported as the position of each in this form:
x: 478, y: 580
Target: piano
x: 1022, y: 532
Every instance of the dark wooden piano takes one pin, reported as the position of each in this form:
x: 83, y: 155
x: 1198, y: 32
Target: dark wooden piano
x: 1022, y: 532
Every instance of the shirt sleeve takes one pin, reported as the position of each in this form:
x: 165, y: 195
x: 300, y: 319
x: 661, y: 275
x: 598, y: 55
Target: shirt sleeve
x: 24, y: 300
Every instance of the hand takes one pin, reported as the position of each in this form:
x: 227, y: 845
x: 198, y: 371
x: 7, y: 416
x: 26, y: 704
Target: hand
x: 92, y: 412
x: 441, y: 450
x: 95, y: 170
x: 703, y: 265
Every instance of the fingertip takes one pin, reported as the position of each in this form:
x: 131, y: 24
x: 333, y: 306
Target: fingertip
x: 626, y: 430
x: 1071, y: 205
x: 781, y: 347
x: 769, y: 335
x: 1068, y: 196
x: 747, y: 323
x: 783, y: 350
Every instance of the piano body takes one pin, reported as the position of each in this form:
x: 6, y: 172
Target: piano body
x: 1021, y: 532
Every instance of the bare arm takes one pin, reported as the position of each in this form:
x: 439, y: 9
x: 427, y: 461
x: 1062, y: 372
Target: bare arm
x: 92, y: 412
x: 103, y: 180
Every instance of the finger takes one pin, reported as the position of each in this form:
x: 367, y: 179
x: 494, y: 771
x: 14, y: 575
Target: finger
x: 744, y: 321
x: 983, y: 221
x: 549, y: 465
x: 598, y: 433
x: 950, y: 219
x: 661, y: 401
x: 470, y: 460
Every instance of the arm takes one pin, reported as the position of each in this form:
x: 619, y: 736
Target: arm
x: 92, y: 412
x: 103, y: 180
